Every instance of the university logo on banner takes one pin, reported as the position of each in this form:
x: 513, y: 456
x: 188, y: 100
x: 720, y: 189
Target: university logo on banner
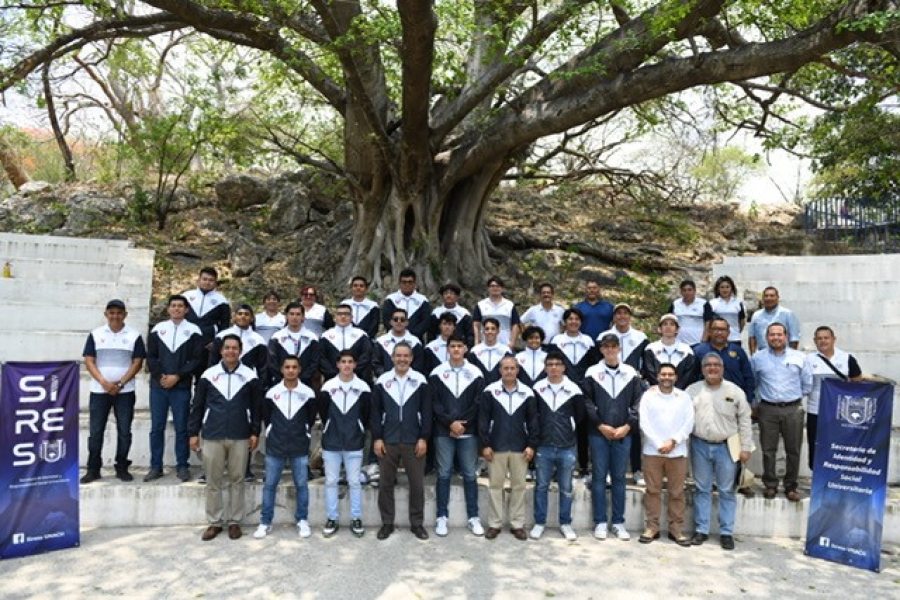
x: 846, y: 508
x: 38, y: 458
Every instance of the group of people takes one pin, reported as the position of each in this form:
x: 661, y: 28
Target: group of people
x: 565, y: 392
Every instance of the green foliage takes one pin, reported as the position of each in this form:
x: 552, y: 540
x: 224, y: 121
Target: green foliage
x: 721, y: 172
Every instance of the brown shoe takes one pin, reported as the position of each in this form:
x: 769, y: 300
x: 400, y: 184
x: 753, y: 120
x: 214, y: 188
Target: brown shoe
x: 234, y: 531
x: 519, y: 534
x: 648, y: 536
x: 793, y: 495
x: 746, y: 492
x: 769, y: 493
x: 491, y: 533
x: 680, y: 539
x: 211, y: 532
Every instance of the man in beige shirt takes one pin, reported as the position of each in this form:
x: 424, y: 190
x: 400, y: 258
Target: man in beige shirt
x: 720, y: 411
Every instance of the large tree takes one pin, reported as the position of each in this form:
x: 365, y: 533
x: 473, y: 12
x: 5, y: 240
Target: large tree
x: 439, y: 99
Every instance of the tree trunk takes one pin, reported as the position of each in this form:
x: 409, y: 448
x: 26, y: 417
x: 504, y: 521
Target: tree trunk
x: 12, y: 166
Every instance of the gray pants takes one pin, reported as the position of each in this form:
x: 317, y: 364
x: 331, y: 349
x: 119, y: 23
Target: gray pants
x: 775, y: 422
x: 225, y: 462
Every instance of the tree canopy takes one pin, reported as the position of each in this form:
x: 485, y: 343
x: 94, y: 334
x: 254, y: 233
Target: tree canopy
x: 435, y: 101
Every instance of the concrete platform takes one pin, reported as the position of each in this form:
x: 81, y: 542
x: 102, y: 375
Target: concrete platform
x: 111, y: 503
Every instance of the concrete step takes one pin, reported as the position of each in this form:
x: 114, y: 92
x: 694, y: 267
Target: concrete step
x: 79, y: 317
x: 57, y: 293
x: 131, y: 270
x: 110, y: 503
x: 848, y: 292
x: 17, y: 245
x: 41, y: 345
x: 869, y: 268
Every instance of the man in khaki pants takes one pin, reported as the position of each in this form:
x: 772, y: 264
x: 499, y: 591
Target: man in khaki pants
x: 226, y: 410
x: 508, y: 427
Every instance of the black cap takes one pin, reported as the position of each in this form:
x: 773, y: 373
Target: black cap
x: 609, y: 338
x: 115, y: 304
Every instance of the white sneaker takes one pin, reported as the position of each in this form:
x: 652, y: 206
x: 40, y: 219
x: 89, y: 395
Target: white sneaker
x: 639, y: 478
x: 440, y: 528
x: 475, y: 526
x: 537, y: 531
x: 262, y: 531
x: 621, y: 532
x: 568, y: 533
x: 303, y: 529
x: 600, y: 531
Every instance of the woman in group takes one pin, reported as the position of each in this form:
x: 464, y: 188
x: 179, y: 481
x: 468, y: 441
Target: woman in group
x: 317, y: 318
x: 726, y: 304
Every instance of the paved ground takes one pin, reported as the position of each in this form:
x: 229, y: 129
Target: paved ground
x: 173, y: 562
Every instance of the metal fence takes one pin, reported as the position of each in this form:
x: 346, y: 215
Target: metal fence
x: 871, y: 223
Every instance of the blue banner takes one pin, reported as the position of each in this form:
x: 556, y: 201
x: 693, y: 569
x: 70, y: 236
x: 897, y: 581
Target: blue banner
x: 849, y: 488
x: 38, y: 458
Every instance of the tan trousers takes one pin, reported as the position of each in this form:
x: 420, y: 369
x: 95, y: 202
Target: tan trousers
x: 516, y: 466
x: 225, y: 462
x: 675, y: 471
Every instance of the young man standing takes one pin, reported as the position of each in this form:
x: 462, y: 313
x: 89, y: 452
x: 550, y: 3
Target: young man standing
x: 502, y: 310
x: 417, y: 307
x: 113, y: 355
x: 667, y: 420
x: 174, y: 351
x: 401, y: 427
x: 560, y: 409
x: 692, y: 314
x: 366, y: 314
x: 772, y: 312
x: 486, y: 355
x: 254, y: 352
x: 289, y: 412
x: 384, y: 345
x: 436, y: 349
x: 344, y: 336
x: 597, y: 313
x: 455, y: 388
x: 450, y: 293
x: 531, y: 359
x: 667, y: 349
x: 209, y: 310
x: 508, y: 426
x: 226, y: 411
x: 271, y: 319
x: 344, y: 405
x: 294, y: 340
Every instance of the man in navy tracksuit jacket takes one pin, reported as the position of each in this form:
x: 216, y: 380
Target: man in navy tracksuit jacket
x: 294, y: 340
x: 174, y: 350
x: 344, y: 336
x: 417, y: 307
x: 612, y: 391
x: 209, y: 310
x: 366, y: 314
x: 401, y: 427
x: 508, y: 427
x: 455, y: 387
x: 289, y: 412
x: 383, y: 345
x: 254, y: 352
x: 560, y: 408
x: 226, y: 411
x: 344, y: 404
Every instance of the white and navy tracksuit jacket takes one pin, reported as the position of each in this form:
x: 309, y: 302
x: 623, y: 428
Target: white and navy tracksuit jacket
x: 508, y: 420
x: 345, y: 407
x: 227, y: 404
x: 612, y: 396
x: 454, y: 396
x: 174, y: 349
x: 289, y: 416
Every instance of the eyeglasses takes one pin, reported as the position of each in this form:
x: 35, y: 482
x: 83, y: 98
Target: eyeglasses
x: 407, y: 281
x: 308, y: 294
x: 399, y: 319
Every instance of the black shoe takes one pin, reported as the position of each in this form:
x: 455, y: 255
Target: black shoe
x: 153, y: 475
x: 90, y: 476
x: 727, y: 542
x: 699, y: 538
x: 331, y: 528
x: 385, y: 532
x: 356, y: 527
x: 124, y: 475
x: 184, y: 474
x: 249, y: 477
x: 419, y: 532
x: 202, y: 479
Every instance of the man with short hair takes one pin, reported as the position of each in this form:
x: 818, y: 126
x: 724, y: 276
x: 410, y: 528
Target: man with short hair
x: 455, y: 387
x: 289, y: 412
x: 417, y: 307
x: 209, y: 310
x: 772, y: 312
x: 174, y: 350
x: 667, y: 349
x: 612, y: 391
x: 254, y: 352
x: 436, y: 349
x: 531, y: 359
x: 827, y: 362
x: 366, y: 313
x: 345, y: 405
x: 546, y: 314
x: 560, y: 408
x: 486, y: 355
x: 737, y: 364
x: 692, y: 314
x: 721, y: 411
x: 344, y: 336
x: 383, y: 346
x: 294, y: 340
x: 666, y: 415
x: 226, y: 411
x: 502, y: 310
x: 783, y: 377
x: 597, y: 314
x: 113, y: 355
x: 270, y: 319
x: 401, y: 424
x: 508, y: 426
x: 450, y: 293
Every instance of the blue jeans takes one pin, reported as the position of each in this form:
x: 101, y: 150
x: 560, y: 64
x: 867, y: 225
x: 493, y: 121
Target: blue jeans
x: 550, y: 459
x: 274, y: 468
x: 465, y: 450
x: 122, y: 405
x: 352, y: 461
x: 609, y: 456
x: 179, y: 399
x: 712, y: 463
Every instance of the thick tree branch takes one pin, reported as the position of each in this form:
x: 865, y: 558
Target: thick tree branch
x: 419, y: 26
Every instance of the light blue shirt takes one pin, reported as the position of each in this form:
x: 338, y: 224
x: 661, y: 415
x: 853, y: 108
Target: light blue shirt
x: 763, y: 318
x: 781, y: 377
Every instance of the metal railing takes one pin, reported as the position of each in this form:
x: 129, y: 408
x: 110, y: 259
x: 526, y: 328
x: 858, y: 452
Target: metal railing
x: 871, y: 223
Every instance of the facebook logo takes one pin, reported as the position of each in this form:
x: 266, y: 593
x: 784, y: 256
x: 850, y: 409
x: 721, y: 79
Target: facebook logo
x: 18, y: 538
x: 824, y: 541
